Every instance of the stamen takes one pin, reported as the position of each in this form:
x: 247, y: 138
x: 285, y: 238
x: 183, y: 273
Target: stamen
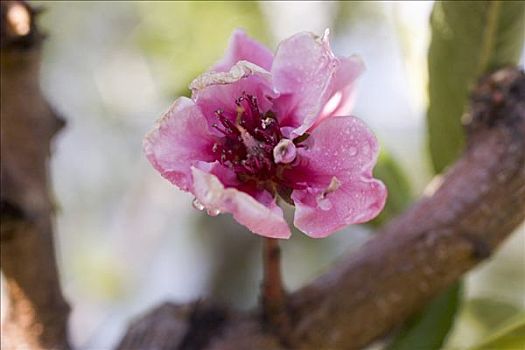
x: 284, y: 152
x: 249, y: 145
x: 266, y: 122
x: 323, y: 202
x: 240, y: 113
x: 333, y: 186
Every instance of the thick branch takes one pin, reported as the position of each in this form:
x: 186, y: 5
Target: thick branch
x: 37, y: 313
x: 480, y: 201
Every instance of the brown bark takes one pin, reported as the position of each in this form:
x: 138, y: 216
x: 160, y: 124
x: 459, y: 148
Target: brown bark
x: 37, y: 312
x: 479, y: 202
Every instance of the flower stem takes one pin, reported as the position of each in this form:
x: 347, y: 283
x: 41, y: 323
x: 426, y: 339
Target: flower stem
x: 273, y: 293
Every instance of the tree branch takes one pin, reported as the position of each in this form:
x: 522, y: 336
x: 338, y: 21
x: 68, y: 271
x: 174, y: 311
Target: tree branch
x: 478, y: 203
x: 481, y: 200
x: 37, y: 313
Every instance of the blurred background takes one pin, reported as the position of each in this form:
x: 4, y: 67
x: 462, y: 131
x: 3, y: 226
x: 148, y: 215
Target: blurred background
x: 128, y: 240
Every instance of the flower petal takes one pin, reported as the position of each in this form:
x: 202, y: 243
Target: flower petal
x: 336, y: 165
x: 263, y: 217
x: 308, y: 75
x: 225, y: 175
x: 243, y: 48
x: 219, y: 90
x: 180, y: 138
x: 342, y: 88
x: 354, y: 202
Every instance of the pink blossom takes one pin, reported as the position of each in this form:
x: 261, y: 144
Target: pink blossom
x: 260, y: 127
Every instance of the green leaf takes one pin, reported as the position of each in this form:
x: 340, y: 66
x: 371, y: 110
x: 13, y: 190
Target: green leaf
x: 399, y: 192
x: 429, y: 329
x: 510, y: 336
x: 489, y: 313
x: 469, y: 38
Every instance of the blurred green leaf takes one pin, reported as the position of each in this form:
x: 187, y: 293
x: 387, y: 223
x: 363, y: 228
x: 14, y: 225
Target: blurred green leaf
x: 511, y: 336
x: 490, y: 313
x: 399, y: 192
x: 183, y: 39
x: 429, y: 329
x: 469, y: 38
x: 350, y: 13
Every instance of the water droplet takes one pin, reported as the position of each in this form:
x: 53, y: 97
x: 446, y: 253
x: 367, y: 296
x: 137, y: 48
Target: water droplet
x: 213, y: 212
x: 324, y: 203
x: 197, y: 204
x: 352, y: 151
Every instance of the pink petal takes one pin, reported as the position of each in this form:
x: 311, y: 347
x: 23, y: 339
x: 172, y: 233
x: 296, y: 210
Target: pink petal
x: 307, y: 75
x: 180, y: 138
x: 219, y: 90
x: 225, y: 175
x: 353, y: 203
x: 262, y: 217
x: 345, y: 149
x: 342, y: 88
x: 243, y: 48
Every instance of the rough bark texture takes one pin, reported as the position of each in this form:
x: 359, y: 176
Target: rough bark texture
x: 476, y: 205
x: 480, y: 201
x: 37, y: 313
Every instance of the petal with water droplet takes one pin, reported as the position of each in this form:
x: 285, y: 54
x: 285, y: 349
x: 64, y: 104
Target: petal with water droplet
x: 355, y: 196
x: 265, y: 220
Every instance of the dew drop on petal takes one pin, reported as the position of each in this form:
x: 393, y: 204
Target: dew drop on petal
x: 213, y: 212
x: 324, y: 203
x: 197, y: 204
x: 352, y: 151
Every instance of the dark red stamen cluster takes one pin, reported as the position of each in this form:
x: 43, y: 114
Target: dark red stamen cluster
x: 246, y: 146
x: 248, y: 141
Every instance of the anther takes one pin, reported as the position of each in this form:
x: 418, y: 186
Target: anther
x: 284, y: 152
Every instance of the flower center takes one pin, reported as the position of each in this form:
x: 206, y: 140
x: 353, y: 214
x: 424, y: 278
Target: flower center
x: 251, y: 143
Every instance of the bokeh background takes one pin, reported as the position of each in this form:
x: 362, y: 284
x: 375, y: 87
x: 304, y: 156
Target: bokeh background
x: 128, y: 240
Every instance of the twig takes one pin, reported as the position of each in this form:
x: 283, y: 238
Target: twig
x: 272, y: 289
